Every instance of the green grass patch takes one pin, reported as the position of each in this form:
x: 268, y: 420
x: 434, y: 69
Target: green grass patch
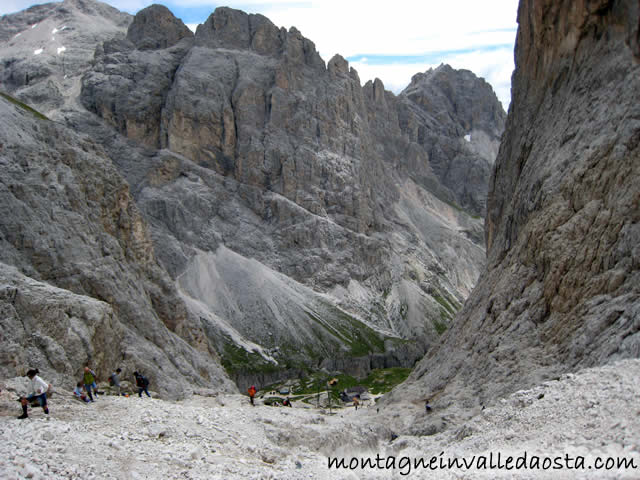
x: 237, y: 359
x: 24, y: 106
x: 384, y: 379
x: 441, y: 325
x: 453, y: 301
x: 332, y: 331
x: 378, y: 381
x: 336, y: 333
x: 445, y: 304
x: 360, y: 338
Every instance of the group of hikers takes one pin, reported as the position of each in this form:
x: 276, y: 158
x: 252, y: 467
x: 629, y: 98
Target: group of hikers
x: 86, y: 390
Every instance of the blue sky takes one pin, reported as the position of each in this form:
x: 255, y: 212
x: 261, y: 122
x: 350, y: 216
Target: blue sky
x: 389, y: 40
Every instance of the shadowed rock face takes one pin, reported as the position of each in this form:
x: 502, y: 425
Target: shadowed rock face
x: 68, y: 220
x: 296, y: 212
x: 562, y: 285
x: 452, y: 105
x: 155, y: 27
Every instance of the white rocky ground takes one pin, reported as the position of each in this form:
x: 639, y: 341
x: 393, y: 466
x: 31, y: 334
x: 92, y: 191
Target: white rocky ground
x: 592, y: 413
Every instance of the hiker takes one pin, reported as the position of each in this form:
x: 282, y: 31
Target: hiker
x: 89, y: 379
x: 114, y: 381
x: 286, y: 402
x: 252, y: 393
x: 79, y: 393
x: 142, y: 383
x: 356, y: 402
x: 427, y: 407
x: 39, y: 393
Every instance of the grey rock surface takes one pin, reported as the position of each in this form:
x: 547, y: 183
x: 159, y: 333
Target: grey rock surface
x: 300, y: 168
x: 72, y: 235
x: 46, y: 48
x: 562, y: 286
x: 460, y: 124
x: 53, y: 329
x: 156, y: 27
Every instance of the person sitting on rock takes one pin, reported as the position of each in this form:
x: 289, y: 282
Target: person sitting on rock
x: 39, y: 393
x: 79, y: 393
x: 90, y: 382
x: 142, y: 383
x: 114, y: 382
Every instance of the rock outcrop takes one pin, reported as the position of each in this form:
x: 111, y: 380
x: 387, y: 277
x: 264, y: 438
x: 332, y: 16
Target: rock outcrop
x: 79, y: 279
x: 155, y: 27
x: 562, y: 285
x: 452, y: 106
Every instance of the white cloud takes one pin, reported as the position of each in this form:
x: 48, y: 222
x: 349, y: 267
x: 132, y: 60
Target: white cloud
x: 409, y: 27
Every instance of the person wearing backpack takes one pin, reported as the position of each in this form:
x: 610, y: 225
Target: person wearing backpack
x: 39, y: 394
x: 252, y: 393
x: 89, y: 379
x: 142, y: 383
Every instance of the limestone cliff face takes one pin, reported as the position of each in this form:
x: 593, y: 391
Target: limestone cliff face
x: 156, y: 27
x: 298, y: 214
x: 445, y: 107
x: 294, y: 164
x: 562, y: 285
x: 79, y: 279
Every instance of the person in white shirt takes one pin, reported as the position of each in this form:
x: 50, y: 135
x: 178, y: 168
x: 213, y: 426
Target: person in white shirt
x: 39, y: 393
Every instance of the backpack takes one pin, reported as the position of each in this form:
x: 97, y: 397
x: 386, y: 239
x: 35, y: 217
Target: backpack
x: 111, y: 382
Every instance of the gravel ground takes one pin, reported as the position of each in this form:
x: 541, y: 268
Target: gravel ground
x: 594, y: 413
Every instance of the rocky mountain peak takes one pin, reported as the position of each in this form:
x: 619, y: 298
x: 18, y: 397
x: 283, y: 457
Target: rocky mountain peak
x: 338, y: 65
x: 46, y: 49
x: 234, y: 29
x: 237, y: 30
x: 156, y: 27
x: 470, y: 101
x: 461, y: 126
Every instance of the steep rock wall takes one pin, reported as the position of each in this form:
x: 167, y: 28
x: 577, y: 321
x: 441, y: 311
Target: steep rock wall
x: 77, y: 243
x: 562, y: 285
